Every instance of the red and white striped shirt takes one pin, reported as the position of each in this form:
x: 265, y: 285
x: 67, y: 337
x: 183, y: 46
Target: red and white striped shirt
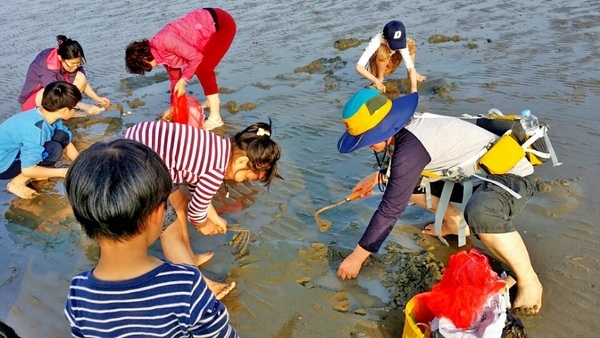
x: 197, y: 157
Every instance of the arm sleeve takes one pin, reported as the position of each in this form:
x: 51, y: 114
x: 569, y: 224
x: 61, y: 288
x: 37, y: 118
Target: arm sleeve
x: 174, y: 75
x: 369, y: 51
x: 31, y: 154
x: 186, y: 52
x: 409, y: 159
x: 406, y: 58
x: 202, y: 193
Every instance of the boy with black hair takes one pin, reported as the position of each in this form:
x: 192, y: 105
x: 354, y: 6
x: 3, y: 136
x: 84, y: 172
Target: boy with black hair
x: 33, y: 141
x: 118, y: 191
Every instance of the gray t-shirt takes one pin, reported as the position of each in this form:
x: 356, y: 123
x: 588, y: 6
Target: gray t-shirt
x: 451, y: 141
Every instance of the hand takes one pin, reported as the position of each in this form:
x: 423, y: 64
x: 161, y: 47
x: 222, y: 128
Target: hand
x: 180, y: 87
x: 380, y: 86
x: 94, y: 110
x: 365, y: 186
x: 210, y: 227
x: 221, y: 225
x: 167, y: 115
x: 102, y: 101
x: 350, y: 266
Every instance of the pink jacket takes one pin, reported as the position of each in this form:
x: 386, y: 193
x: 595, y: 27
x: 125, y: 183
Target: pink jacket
x: 179, y: 45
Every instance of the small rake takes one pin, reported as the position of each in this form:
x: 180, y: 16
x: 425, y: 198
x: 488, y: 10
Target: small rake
x: 324, y: 224
x: 240, y: 240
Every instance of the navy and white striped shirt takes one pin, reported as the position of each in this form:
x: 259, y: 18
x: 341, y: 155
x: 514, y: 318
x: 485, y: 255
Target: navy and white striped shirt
x: 172, y: 300
x: 195, y: 156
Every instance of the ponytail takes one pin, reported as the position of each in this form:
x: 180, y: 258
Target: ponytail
x: 263, y: 153
x: 69, y: 49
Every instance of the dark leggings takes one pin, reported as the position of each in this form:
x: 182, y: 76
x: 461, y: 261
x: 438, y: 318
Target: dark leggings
x: 214, y: 51
x: 53, y: 151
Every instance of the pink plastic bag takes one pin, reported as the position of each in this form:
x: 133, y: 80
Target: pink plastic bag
x: 187, y: 110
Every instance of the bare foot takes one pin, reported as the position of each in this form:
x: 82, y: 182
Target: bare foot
x: 22, y: 191
x: 421, y: 78
x: 202, y: 258
x: 219, y: 289
x: 529, y: 298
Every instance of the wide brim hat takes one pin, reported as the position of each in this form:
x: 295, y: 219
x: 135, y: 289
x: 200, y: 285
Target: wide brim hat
x: 370, y: 117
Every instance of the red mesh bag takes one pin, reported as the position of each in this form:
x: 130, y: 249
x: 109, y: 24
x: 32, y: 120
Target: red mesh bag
x: 187, y: 110
x: 466, y: 284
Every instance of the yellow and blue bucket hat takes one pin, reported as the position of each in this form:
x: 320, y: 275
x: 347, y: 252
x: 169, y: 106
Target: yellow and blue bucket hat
x: 370, y: 117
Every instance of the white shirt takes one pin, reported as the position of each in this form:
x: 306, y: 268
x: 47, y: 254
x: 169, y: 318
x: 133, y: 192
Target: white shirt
x: 374, y: 44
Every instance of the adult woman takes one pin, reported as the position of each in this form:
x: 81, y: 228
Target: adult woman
x: 385, y: 52
x: 202, y: 160
x: 192, y: 44
x: 63, y: 63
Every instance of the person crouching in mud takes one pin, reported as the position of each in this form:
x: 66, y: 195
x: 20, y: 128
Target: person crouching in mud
x: 202, y: 160
x: 436, y: 144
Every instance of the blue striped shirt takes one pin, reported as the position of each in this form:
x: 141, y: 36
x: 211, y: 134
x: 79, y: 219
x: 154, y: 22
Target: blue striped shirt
x: 172, y: 300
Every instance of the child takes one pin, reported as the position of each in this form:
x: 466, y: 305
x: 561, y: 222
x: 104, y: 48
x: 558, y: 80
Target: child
x: 385, y: 52
x: 64, y: 63
x: 203, y: 160
x: 118, y: 191
x: 33, y: 141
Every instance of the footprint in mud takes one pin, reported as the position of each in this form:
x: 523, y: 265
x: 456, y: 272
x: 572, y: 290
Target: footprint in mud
x: 341, y: 303
x: 557, y: 197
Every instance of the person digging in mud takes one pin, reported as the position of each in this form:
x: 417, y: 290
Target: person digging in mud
x: 64, y: 63
x: 202, y: 160
x: 32, y: 142
x: 386, y: 50
x: 436, y: 144
x: 118, y: 191
x: 192, y: 44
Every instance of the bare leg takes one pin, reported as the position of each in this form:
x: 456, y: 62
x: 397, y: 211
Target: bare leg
x: 451, y: 217
x: 511, y: 250
x: 179, y: 249
x: 420, y: 78
x: 176, y: 250
x: 18, y: 186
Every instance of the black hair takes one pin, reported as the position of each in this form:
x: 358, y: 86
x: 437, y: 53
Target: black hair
x: 7, y: 331
x: 69, y: 49
x: 263, y: 153
x: 137, y: 56
x: 114, y: 187
x: 60, y: 94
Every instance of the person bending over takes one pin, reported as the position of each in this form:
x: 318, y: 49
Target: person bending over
x: 63, y: 63
x: 192, y: 44
x: 203, y: 160
x: 437, y: 144
x: 386, y: 50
